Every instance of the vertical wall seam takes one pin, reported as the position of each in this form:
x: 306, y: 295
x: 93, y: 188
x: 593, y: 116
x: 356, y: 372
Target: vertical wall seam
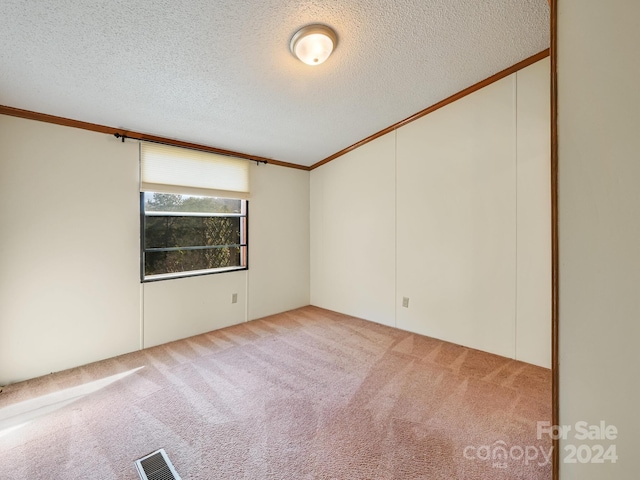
x: 395, y: 226
x: 141, y: 316
x: 310, y: 224
x: 515, y: 115
x: 247, y: 272
x: 246, y: 296
x: 140, y: 250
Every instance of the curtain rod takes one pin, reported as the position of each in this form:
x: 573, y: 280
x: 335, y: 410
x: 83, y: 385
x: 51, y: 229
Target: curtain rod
x: 124, y: 137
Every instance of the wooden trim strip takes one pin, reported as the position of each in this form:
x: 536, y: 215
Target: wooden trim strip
x: 271, y: 161
x: 42, y: 117
x: 94, y: 127
x: 555, y: 256
x: 463, y: 93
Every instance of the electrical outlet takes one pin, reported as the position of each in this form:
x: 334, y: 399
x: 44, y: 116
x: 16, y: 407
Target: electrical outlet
x: 405, y: 302
x: 234, y: 298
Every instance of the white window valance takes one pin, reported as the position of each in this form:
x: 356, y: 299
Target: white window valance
x: 169, y: 169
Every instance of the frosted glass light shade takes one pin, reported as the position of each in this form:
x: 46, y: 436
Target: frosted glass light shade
x: 313, y: 44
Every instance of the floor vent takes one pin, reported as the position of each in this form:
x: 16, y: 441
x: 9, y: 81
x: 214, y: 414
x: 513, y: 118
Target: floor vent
x: 156, y: 466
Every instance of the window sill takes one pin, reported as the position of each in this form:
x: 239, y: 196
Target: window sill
x: 192, y: 273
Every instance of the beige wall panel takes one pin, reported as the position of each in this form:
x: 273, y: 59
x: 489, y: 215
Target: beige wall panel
x: 533, y: 321
x: 353, y: 232
x: 278, y: 240
x: 183, y: 307
x: 599, y: 227
x: 69, y: 248
x: 456, y: 221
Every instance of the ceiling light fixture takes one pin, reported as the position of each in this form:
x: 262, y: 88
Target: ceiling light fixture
x: 313, y: 44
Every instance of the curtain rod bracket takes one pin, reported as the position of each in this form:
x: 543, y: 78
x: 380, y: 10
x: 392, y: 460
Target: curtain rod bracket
x: 117, y: 135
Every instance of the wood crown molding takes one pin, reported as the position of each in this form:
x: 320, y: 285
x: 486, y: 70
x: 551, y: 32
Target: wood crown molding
x: 43, y: 117
x: 463, y: 93
x: 94, y: 127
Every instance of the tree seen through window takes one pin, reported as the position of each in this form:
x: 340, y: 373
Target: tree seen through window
x: 184, y: 233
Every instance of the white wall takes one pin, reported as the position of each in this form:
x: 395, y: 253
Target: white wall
x: 599, y: 226
x: 533, y: 282
x: 69, y: 248
x: 278, y: 275
x: 353, y: 233
x: 457, y: 221
x: 278, y: 240
x: 70, y: 288
x: 468, y: 237
x: 184, y: 307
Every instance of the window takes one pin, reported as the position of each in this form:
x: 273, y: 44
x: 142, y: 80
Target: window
x: 193, y: 207
x: 185, y: 235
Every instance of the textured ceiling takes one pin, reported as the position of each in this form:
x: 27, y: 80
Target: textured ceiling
x: 220, y: 73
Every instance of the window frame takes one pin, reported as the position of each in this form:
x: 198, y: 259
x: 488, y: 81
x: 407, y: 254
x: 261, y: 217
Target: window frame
x: 244, y: 246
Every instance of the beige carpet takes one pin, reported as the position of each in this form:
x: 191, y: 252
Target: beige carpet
x: 301, y: 395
